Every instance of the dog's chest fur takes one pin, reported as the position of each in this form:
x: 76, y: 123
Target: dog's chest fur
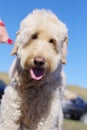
x: 35, y: 106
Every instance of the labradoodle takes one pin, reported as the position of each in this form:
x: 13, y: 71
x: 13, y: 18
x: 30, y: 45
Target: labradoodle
x: 33, y: 99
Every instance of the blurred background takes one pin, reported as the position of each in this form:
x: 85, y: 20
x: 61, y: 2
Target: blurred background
x: 74, y: 15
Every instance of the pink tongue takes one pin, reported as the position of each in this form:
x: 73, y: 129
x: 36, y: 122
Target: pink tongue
x: 36, y: 73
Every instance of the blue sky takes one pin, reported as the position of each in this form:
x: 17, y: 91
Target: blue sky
x: 72, y: 12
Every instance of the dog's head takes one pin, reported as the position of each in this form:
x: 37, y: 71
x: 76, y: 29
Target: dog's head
x: 41, y: 43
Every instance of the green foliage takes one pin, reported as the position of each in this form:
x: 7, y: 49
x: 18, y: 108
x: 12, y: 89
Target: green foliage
x: 82, y: 92
x: 4, y: 77
x: 74, y: 125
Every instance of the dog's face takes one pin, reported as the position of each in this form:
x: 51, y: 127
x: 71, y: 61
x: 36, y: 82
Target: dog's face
x: 41, y: 43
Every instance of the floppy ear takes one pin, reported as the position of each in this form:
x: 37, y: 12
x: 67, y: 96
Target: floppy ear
x: 64, y: 50
x: 14, y: 50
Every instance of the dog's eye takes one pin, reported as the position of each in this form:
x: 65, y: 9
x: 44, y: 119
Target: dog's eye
x: 52, y: 41
x: 35, y: 36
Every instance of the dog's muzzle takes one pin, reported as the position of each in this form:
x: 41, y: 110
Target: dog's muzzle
x: 37, y: 71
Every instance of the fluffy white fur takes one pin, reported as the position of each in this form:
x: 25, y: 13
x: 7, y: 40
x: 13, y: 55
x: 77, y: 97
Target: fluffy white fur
x: 29, y: 103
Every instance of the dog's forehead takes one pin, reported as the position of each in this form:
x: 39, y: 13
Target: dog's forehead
x: 46, y: 27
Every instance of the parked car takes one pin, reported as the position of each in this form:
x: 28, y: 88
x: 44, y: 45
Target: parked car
x: 73, y: 108
x: 2, y: 88
x: 85, y: 106
x: 84, y: 116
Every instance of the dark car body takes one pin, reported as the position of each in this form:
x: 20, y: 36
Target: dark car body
x: 2, y: 88
x: 84, y: 116
x: 86, y: 107
x: 73, y: 108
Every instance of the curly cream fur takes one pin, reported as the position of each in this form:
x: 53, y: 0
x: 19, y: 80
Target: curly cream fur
x: 29, y: 104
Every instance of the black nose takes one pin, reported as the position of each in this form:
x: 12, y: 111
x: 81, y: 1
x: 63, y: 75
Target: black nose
x: 39, y: 61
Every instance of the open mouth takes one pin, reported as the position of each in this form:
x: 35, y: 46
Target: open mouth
x: 37, y: 73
